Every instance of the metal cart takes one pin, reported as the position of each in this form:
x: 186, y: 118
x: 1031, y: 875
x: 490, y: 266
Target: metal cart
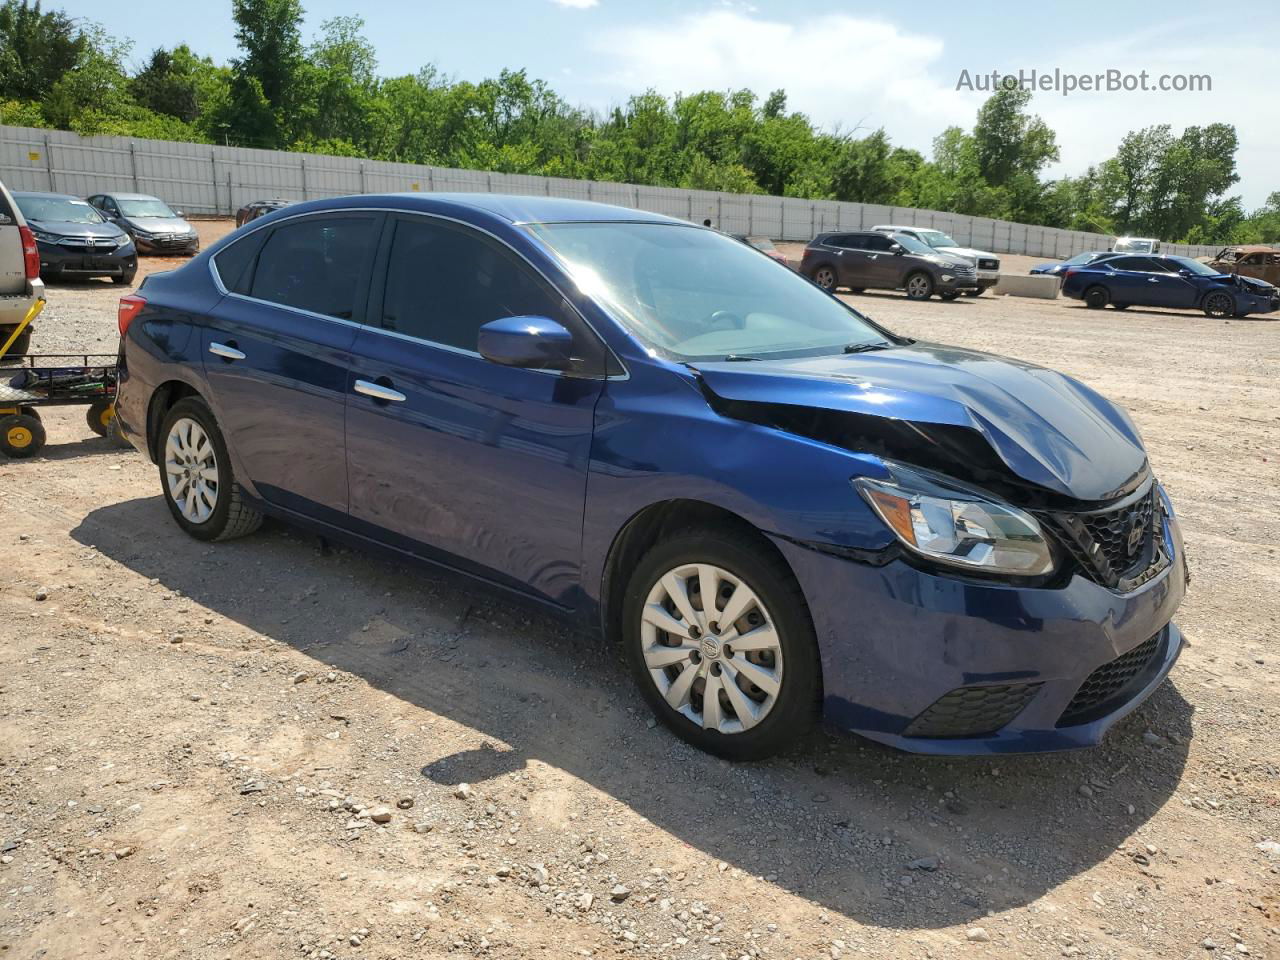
x: 49, y: 380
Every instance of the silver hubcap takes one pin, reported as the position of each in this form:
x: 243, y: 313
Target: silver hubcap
x: 825, y: 277
x: 191, y: 469
x: 711, y: 647
x: 917, y: 286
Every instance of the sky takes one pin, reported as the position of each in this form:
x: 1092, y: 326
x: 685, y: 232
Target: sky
x: 852, y: 67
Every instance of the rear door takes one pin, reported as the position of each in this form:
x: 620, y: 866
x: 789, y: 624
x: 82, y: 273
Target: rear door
x: 13, y: 270
x: 465, y: 461
x: 277, y: 354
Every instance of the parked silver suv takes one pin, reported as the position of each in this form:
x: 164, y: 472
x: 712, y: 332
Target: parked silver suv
x: 20, y: 283
x: 986, y: 264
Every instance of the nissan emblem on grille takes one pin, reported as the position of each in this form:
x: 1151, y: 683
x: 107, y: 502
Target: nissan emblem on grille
x: 1137, y: 527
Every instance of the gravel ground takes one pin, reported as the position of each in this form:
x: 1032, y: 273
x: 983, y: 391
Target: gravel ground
x: 268, y: 749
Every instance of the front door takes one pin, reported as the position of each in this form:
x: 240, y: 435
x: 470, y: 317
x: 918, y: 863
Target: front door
x: 276, y: 354
x: 453, y: 457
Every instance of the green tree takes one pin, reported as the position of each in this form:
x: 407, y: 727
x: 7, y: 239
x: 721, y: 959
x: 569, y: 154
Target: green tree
x: 36, y: 49
x: 265, y: 87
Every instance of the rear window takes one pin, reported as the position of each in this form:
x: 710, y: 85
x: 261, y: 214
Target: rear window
x: 316, y: 265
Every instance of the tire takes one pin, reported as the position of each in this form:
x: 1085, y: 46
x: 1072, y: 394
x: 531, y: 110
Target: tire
x: 1120, y: 306
x: 975, y: 293
x: 19, y: 347
x: 736, y: 560
x: 1095, y: 298
x: 124, y: 279
x: 1219, y: 305
x: 949, y: 295
x: 99, y: 417
x: 222, y: 513
x: 21, y: 435
x: 919, y: 286
x: 825, y: 277
x: 857, y: 289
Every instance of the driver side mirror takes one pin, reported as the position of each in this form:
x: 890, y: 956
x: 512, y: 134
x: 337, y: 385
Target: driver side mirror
x: 536, y: 343
x: 897, y: 248
x: 1184, y: 272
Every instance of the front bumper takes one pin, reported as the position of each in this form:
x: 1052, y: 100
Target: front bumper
x: 57, y: 260
x: 167, y: 245
x: 895, y: 640
x: 956, y: 283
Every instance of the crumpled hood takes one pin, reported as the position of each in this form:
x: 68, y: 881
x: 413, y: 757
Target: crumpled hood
x: 1048, y: 429
x: 1254, y: 284
x: 165, y: 225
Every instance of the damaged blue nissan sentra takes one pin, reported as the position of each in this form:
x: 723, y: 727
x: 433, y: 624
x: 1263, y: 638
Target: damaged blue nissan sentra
x: 778, y: 507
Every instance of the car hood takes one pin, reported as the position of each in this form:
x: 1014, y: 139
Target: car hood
x: 159, y: 224
x: 968, y: 253
x: 68, y: 228
x: 1050, y: 430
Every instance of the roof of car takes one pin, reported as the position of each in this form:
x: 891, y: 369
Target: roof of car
x: 127, y: 196
x: 512, y: 208
x: 43, y: 194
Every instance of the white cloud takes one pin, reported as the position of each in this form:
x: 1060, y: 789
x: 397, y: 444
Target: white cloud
x: 844, y: 71
x: 576, y: 4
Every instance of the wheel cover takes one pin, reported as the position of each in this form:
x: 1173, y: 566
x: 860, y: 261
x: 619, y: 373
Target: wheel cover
x: 825, y: 277
x: 19, y: 437
x: 917, y: 286
x: 191, y: 470
x: 106, y: 415
x: 718, y: 664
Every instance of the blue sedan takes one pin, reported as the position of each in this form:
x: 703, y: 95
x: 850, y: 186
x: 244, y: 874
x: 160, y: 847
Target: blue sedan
x: 778, y: 508
x: 1176, y: 282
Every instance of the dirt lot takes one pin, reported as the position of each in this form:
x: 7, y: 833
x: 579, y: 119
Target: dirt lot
x: 189, y: 733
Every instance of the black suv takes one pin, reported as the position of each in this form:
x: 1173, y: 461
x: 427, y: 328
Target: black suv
x: 868, y: 260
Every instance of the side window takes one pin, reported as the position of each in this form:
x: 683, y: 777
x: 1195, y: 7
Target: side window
x: 317, y: 264
x: 878, y: 242
x: 109, y: 206
x: 235, y: 263
x: 837, y: 240
x: 443, y: 283
x: 1126, y: 263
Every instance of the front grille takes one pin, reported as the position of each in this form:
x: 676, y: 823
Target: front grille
x: 987, y: 263
x: 972, y: 711
x: 1108, y: 681
x: 1121, y: 547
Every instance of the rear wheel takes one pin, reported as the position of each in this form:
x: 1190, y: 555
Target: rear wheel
x: 21, y: 435
x: 975, y: 293
x: 196, y: 475
x: 825, y: 277
x: 1095, y: 298
x: 949, y: 295
x: 1120, y: 306
x: 99, y: 417
x: 919, y: 286
x: 719, y: 639
x: 1219, y: 305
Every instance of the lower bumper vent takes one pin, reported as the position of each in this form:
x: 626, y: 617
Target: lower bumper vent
x: 972, y: 711
x: 1108, y: 683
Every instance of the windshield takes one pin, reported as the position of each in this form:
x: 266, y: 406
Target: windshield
x: 936, y: 238
x: 146, y: 208
x: 1195, y: 266
x: 699, y: 295
x: 57, y: 209
x: 912, y: 244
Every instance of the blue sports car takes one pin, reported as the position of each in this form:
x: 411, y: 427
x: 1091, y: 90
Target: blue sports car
x: 778, y: 507
x: 1079, y: 260
x: 1153, y: 281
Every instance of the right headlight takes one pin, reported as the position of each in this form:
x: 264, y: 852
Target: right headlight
x: 960, y: 528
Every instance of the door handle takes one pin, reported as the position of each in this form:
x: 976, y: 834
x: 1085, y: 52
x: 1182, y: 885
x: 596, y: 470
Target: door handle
x: 227, y: 351
x: 1153, y: 279
x: 378, y: 391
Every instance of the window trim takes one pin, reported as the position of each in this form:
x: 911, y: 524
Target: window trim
x: 387, y: 212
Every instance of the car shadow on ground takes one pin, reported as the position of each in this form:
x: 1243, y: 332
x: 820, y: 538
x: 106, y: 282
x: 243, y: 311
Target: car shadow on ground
x: 836, y: 821
x: 1174, y: 314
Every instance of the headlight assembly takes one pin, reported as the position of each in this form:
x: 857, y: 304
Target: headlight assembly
x: 960, y: 528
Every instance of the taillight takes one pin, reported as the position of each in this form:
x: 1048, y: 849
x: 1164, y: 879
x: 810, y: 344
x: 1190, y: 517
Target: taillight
x: 1067, y: 276
x: 129, y: 307
x: 30, y: 252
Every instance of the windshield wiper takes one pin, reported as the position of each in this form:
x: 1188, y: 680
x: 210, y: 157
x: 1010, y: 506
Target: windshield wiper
x: 736, y: 357
x: 866, y: 347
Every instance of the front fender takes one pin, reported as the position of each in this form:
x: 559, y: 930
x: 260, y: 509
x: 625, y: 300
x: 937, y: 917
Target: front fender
x: 657, y: 439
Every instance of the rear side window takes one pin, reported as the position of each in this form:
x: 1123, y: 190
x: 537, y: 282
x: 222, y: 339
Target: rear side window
x: 235, y: 262
x: 443, y: 283
x: 1128, y: 263
x: 316, y: 265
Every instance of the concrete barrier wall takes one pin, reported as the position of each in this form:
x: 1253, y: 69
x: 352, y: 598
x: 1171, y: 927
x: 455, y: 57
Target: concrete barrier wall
x: 203, y: 179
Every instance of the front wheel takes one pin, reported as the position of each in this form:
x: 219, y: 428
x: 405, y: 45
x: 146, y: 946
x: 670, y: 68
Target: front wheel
x: 124, y: 279
x: 197, y: 477
x: 1219, y: 305
x: 719, y: 639
x: 919, y: 286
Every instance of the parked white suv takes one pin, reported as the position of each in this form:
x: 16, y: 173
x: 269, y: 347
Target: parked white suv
x: 20, y: 283
x: 987, y: 264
